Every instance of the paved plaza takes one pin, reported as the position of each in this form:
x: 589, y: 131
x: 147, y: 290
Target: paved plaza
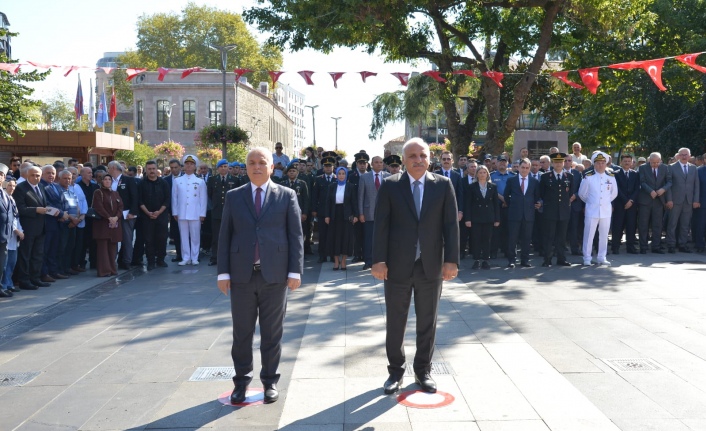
x: 524, y: 349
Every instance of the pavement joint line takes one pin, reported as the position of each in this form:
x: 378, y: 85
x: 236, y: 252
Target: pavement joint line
x: 46, y: 314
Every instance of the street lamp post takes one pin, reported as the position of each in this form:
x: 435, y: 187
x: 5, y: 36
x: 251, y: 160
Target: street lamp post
x: 169, y: 121
x: 336, y: 120
x: 313, y: 120
x: 224, y: 60
x: 436, y: 115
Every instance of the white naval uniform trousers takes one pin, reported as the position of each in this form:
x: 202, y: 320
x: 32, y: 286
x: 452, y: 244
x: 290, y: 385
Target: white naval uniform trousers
x: 189, y: 203
x: 597, y: 191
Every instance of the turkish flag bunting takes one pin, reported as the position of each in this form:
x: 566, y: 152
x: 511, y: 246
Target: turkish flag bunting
x: 434, y: 75
x: 13, y: 68
x: 162, y: 73
x: 654, y: 69
x: 107, y: 70
x: 403, y: 77
x: 627, y: 66
x: 465, y: 72
x: 364, y: 74
x: 336, y: 76
x: 495, y: 76
x: 132, y: 73
x: 275, y: 74
x: 306, y: 74
x: 240, y: 72
x: 70, y: 69
x: 690, y: 60
x: 590, y: 78
x: 42, y: 66
x: 564, y: 77
x: 189, y: 71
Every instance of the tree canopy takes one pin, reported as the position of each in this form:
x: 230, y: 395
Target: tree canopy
x: 16, y: 108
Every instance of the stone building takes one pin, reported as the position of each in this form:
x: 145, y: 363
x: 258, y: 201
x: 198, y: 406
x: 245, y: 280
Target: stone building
x: 178, y: 108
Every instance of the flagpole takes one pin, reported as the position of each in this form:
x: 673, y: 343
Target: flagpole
x: 111, y: 105
x: 80, y: 110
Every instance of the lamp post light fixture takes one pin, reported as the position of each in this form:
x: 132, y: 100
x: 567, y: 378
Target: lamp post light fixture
x: 313, y: 120
x: 336, y: 120
x: 436, y: 115
x: 169, y: 121
x: 224, y: 60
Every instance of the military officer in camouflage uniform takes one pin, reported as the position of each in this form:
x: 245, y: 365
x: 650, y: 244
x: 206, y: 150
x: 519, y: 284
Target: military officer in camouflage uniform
x: 216, y: 188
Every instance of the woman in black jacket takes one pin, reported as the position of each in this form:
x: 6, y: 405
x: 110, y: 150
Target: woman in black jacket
x: 481, y: 213
x: 341, y: 211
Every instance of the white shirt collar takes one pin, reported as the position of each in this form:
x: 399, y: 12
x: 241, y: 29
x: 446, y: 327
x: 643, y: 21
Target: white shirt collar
x: 263, y: 187
x: 421, y: 180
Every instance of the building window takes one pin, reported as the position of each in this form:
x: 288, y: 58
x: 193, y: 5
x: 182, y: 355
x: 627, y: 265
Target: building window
x: 189, y: 115
x: 214, y: 112
x: 162, y: 119
x: 140, y: 114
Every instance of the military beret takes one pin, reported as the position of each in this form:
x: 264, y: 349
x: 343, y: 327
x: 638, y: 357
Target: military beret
x: 221, y: 163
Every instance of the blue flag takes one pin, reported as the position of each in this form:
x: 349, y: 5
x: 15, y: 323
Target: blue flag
x: 102, y: 116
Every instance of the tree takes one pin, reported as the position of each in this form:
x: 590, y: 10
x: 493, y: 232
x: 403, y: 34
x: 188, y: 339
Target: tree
x: 181, y: 40
x: 142, y: 153
x: 58, y: 112
x: 15, y: 104
x: 443, y: 32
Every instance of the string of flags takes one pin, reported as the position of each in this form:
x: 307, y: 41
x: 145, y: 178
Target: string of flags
x: 588, y: 76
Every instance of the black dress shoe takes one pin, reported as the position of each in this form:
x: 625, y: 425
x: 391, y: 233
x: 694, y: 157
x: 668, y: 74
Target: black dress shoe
x: 511, y: 264
x: 632, y: 251
x: 476, y: 264
x: 366, y: 267
x: 426, y: 382
x: 485, y: 265
x: 576, y: 253
x: 28, y: 286
x: 685, y: 249
x: 151, y: 266
x: 356, y: 260
x: 563, y: 263
x: 238, y: 394
x: 546, y: 264
x: 643, y: 251
x: 162, y: 264
x: 176, y: 259
x: 47, y: 279
x: 271, y: 393
x: 526, y: 265
x: 671, y: 250
x: 15, y: 289
x: 658, y: 251
x: 5, y: 293
x: 123, y: 266
x: 212, y: 263
x: 616, y: 251
x: 38, y: 283
x: 392, y: 385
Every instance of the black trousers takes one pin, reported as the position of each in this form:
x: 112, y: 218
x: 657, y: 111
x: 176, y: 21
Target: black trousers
x: 247, y: 301
x: 30, y: 258
x: 466, y: 238
x: 307, y: 230
x: 323, y: 237
x: 575, y: 231
x: 358, y: 244
x: 207, y: 232
x: 554, y: 232
x: 482, y: 234
x: 500, y: 233
x: 651, y: 215
x: 65, y: 252
x: 398, y: 296
x: 78, y: 256
x: 623, y: 220
x: 519, y: 231
x: 174, y: 234
x: 155, y: 236
x: 140, y: 241
x: 215, y: 231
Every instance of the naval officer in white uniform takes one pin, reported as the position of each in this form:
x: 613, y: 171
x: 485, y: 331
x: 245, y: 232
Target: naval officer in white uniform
x: 598, y: 189
x: 189, y: 205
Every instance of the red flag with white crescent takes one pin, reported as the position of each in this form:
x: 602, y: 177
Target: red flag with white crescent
x: 113, y: 107
x: 275, y: 74
x: 564, y: 77
x: 336, y: 76
x: 497, y: 77
x: 132, y: 73
x: 690, y: 60
x: 627, y: 66
x: 403, y: 77
x: 189, y: 71
x: 590, y: 78
x: 654, y: 69
x: 435, y: 75
x: 365, y: 74
x: 162, y: 73
x: 306, y: 74
x: 464, y: 72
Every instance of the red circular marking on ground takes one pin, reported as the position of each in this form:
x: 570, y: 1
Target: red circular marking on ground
x: 424, y: 400
x: 253, y: 397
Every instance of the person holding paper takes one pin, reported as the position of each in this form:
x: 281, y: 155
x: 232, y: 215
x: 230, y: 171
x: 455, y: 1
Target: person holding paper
x: 107, y: 231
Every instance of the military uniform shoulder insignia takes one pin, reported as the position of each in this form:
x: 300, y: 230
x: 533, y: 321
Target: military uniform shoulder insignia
x: 610, y: 174
x: 588, y: 174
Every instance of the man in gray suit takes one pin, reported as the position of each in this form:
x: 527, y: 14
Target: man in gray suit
x: 368, y: 187
x: 655, y: 182
x: 681, y: 200
x: 260, y: 255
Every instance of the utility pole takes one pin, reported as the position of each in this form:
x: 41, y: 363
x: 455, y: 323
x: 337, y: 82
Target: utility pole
x: 224, y: 60
x: 313, y: 120
x: 336, y: 120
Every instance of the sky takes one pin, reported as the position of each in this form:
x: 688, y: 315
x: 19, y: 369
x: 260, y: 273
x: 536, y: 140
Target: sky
x: 78, y: 32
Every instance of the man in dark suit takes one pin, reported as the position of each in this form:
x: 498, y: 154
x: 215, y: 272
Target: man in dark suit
x: 447, y: 160
x: 55, y: 198
x: 260, y: 255
x: 415, y: 249
x: 556, y: 189
x: 655, y: 183
x: 521, y: 200
x: 684, y: 198
x: 318, y: 203
x: 368, y: 187
x: 362, y: 160
x: 31, y: 206
x: 292, y: 181
x: 217, y: 187
x: 466, y: 181
x: 624, y: 218
x: 127, y: 189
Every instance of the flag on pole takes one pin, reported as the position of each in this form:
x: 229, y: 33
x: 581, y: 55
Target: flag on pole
x: 91, y: 110
x: 78, y: 104
x: 113, y: 107
x: 102, y: 116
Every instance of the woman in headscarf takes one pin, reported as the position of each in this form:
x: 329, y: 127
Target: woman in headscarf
x: 341, y: 211
x: 106, y: 231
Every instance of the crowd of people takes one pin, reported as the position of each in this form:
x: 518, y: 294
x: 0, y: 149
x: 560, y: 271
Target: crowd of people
x: 61, y: 220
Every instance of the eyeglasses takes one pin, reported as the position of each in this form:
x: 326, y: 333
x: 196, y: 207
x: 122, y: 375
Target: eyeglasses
x: 278, y: 148
x: 445, y: 159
